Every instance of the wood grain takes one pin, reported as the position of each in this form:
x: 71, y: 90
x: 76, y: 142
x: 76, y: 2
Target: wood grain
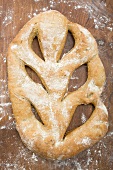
x: 97, y: 17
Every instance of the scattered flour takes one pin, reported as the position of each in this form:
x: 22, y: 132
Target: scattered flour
x: 36, y: 0
x: 83, y: 118
x: 8, y: 18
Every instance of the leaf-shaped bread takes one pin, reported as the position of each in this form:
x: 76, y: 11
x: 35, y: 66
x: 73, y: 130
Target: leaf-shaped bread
x: 54, y: 108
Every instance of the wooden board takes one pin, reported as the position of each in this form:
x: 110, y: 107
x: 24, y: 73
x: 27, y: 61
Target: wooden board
x: 97, y: 17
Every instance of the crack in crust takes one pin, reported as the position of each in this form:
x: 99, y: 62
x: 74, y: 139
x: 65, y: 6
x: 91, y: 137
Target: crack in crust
x: 54, y: 109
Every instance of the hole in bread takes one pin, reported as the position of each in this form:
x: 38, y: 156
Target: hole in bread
x: 36, y: 47
x: 78, y: 78
x: 36, y: 114
x: 33, y: 75
x: 69, y: 44
x: 80, y: 116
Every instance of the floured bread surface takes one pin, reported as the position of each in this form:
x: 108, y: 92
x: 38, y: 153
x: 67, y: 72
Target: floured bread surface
x: 53, y: 106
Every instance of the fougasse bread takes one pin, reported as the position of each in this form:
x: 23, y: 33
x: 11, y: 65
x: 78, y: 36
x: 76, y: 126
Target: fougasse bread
x: 54, y: 107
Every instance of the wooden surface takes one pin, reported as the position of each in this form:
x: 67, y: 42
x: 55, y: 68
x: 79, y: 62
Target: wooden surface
x: 97, y: 17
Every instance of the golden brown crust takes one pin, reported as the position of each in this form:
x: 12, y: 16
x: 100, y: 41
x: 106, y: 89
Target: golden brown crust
x: 54, y: 109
